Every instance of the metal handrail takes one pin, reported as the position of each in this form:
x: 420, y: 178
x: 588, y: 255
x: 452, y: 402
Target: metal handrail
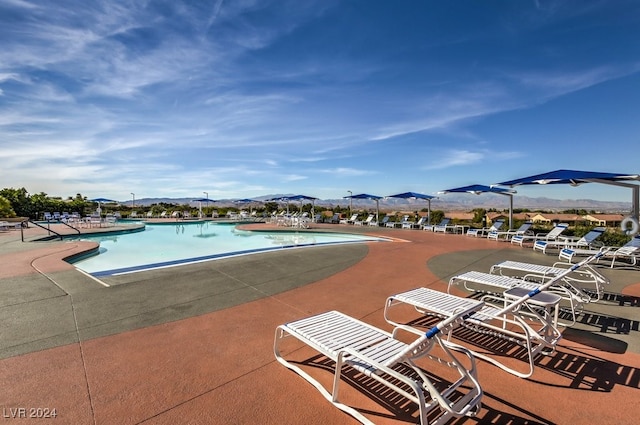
x: 48, y: 229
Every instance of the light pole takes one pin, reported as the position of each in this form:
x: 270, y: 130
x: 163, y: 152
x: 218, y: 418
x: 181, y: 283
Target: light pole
x: 133, y: 202
x: 206, y: 193
x: 350, y: 202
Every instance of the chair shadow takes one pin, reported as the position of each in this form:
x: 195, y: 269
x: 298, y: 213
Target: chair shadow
x: 584, y: 371
x: 604, y: 323
x: 403, y: 410
x: 615, y: 298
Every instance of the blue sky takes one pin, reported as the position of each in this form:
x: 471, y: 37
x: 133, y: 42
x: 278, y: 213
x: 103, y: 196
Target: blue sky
x: 245, y: 98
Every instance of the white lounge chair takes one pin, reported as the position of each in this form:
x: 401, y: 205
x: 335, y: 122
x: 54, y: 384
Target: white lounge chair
x: 537, y: 333
x: 573, y: 295
x: 417, y: 225
x: 378, y: 355
x: 401, y: 223
x: 587, y: 241
x: 364, y: 222
x: 506, y: 235
x: 577, y: 280
x: 629, y: 251
x: 352, y: 220
x: 382, y: 222
x: 483, y: 232
x: 443, y: 226
x: 552, y: 235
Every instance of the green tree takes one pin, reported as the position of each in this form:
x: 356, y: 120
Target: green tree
x: 5, y: 208
x: 478, y: 215
x: 19, y: 201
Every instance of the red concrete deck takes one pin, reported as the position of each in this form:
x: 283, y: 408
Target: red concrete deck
x: 219, y: 367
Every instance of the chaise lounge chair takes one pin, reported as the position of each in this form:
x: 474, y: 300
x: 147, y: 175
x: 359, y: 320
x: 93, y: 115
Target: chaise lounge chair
x: 376, y: 355
x: 443, y: 226
x: 417, y: 225
x: 552, y: 235
x: 483, y: 232
x: 587, y: 241
x: 352, y: 220
x: 508, y: 234
x: 629, y: 251
x: 382, y: 222
x: 364, y: 222
x: 490, y: 322
x: 575, y: 282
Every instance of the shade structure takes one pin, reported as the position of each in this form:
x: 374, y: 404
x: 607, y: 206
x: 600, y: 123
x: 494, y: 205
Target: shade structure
x: 200, y: 201
x: 101, y: 201
x: 280, y: 199
x: 246, y: 201
x: 370, y: 197
x: 477, y: 189
x: 576, y: 177
x: 305, y: 198
x: 414, y: 195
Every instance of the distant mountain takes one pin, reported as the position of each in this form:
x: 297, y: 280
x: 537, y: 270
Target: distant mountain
x: 447, y: 202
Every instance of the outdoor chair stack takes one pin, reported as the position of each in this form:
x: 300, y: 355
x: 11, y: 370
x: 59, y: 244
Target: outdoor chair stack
x: 370, y: 356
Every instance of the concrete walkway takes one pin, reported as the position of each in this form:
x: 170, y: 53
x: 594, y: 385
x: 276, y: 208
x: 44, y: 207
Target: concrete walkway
x: 194, y: 344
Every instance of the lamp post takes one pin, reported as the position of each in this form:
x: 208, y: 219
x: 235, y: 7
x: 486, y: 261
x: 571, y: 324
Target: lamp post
x: 133, y: 202
x: 207, y: 194
x: 350, y: 201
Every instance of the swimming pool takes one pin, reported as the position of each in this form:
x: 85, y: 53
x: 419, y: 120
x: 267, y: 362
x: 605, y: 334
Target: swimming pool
x: 165, y: 245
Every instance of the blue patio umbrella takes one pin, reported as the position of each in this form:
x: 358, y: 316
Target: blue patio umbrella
x: 477, y: 189
x: 575, y: 178
x: 246, y: 201
x: 304, y: 198
x: 200, y: 201
x: 280, y: 199
x: 370, y: 197
x: 102, y: 201
x: 414, y: 195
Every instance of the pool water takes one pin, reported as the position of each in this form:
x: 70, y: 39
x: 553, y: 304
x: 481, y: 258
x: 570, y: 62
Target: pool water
x: 164, y: 245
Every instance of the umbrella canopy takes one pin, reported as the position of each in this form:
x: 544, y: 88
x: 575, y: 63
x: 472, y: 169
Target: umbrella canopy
x: 304, y: 198
x: 414, y: 195
x: 575, y: 178
x: 281, y: 199
x: 368, y: 196
x: 477, y: 189
x: 101, y: 201
x: 200, y: 201
x: 571, y: 177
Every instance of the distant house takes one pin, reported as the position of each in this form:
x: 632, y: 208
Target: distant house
x: 552, y: 218
x: 460, y: 216
x: 607, y: 220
